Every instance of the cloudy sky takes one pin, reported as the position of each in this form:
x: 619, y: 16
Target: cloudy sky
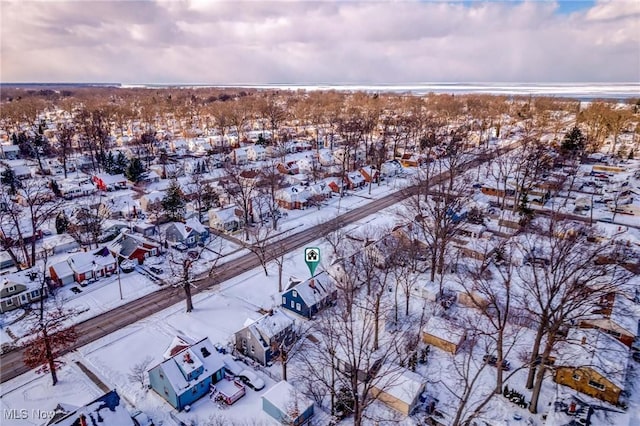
x: 306, y: 42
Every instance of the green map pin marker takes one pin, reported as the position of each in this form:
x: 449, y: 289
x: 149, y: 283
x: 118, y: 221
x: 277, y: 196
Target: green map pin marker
x: 312, y: 258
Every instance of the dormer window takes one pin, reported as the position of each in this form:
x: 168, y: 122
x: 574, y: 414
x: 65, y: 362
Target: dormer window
x: 205, y: 352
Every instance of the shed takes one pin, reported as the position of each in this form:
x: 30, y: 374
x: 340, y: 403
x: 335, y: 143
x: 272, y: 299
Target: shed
x: 285, y: 404
x: 443, y: 334
x: 400, y: 391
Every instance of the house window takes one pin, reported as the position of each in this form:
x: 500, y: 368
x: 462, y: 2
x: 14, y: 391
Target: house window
x: 166, y: 391
x: 9, y: 302
x: 194, y: 390
x: 298, y: 308
x: 253, y: 349
x: 161, y: 375
x: 293, y: 304
x: 577, y: 377
x: 35, y: 293
x: 294, y: 293
x: 596, y: 385
x: 284, y: 300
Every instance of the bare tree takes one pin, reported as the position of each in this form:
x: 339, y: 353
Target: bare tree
x: 562, y: 281
x: 138, y: 373
x: 51, y: 337
x: 87, y: 222
x: 241, y: 186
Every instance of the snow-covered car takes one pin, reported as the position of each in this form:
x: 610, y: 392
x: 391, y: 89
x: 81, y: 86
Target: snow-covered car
x: 141, y: 419
x: 232, y: 366
x: 251, y: 379
x: 127, y: 266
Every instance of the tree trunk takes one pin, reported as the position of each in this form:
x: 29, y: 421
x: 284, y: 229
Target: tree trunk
x: 534, y: 353
x: 376, y: 320
x: 187, y: 293
x: 535, y: 394
x: 280, y: 275
x: 50, y: 359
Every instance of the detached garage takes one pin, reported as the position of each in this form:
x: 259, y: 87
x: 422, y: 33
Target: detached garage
x: 61, y: 274
x: 288, y: 406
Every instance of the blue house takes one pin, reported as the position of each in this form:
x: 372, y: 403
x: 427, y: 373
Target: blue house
x: 309, y: 297
x: 187, y: 374
x: 286, y: 405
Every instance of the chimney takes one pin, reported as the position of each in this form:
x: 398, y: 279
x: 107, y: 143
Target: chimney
x: 312, y: 284
x: 584, y: 340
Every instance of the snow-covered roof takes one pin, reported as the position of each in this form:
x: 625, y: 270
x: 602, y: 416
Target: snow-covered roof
x: 111, y: 179
x: 178, y: 344
x: 315, y: 289
x: 177, y: 368
x: 195, y: 225
x: 62, y: 269
x: 588, y: 347
x: 225, y: 214
x: 444, y: 329
x: 107, y: 410
x: 293, y: 194
x: 405, y: 386
x: 284, y: 397
x: 270, y: 325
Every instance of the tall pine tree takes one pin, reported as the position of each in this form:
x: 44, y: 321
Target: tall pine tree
x: 173, y: 202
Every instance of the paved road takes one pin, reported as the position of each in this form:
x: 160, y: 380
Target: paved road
x: 11, y: 364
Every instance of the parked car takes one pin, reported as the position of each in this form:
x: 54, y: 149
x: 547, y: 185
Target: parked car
x: 251, y: 379
x: 127, y: 266
x: 156, y: 270
x: 233, y: 366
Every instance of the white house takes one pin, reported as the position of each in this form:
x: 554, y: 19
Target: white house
x: 256, y: 153
x: 239, y: 156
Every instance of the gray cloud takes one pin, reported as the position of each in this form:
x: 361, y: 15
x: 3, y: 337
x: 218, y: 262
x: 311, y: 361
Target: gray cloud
x: 327, y: 42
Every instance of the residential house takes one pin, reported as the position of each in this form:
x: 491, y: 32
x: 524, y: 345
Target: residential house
x: 133, y: 247
x: 88, y: 266
x: 6, y: 261
x: 21, y: 288
x: 293, y: 197
x: 226, y: 219
x: 9, y: 152
x: 400, y: 390
x: 239, y: 156
x: 70, y: 190
x: 108, y: 409
x: 107, y: 182
x: 369, y: 174
x: 187, y: 375
x: 22, y: 172
x: 286, y: 405
x: 596, y: 366
x: 152, y: 200
x: 391, y: 168
x: 354, y: 180
x: 259, y: 339
x: 443, y: 334
x: 615, y: 316
x: 256, y: 153
x: 409, y: 160
x: 190, y: 233
x: 309, y: 297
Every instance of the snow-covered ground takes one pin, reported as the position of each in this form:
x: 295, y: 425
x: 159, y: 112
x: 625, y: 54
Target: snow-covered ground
x: 221, y: 311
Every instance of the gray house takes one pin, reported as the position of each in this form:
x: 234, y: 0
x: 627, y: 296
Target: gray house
x: 259, y: 339
x: 22, y: 288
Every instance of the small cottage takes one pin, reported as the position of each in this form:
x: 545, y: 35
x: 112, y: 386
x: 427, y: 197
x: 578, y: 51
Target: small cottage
x: 400, y: 390
x: 309, y: 297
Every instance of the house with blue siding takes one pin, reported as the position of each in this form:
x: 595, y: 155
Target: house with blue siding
x: 190, y: 233
x: 187, y: 374
x: 288, y: 406
x: 309, y: 297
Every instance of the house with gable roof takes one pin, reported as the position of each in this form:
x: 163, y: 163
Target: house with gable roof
x: 258, y: 339
x: 86, y: 266
x: 293, y: 197
x: 189, y: 233
x: 188, y: 373
x: 400, y: 391
x: 107, y: 182
x: 226, y: 219
x: 595, y: 366
x: 133, y: 247
x: 108, y: 409
x: 21, y: 288
x: 309, y: 297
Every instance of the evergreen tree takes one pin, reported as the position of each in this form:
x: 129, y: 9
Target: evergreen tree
x: 173, y: 202
x: 55, y: 188
x: 8, y: 178
x: 62, y: 223
x: 574, y: 143
x: 121, y: 163
x: 110, y: 163
x: 135, y: 171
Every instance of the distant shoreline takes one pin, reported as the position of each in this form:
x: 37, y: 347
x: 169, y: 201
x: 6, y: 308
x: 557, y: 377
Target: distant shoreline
x: 581, y: 91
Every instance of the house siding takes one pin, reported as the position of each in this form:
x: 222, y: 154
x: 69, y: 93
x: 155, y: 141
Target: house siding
x: 304, y: 310
x: 160, y: 384
x: 430, y: 339
x: 565, y: 376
